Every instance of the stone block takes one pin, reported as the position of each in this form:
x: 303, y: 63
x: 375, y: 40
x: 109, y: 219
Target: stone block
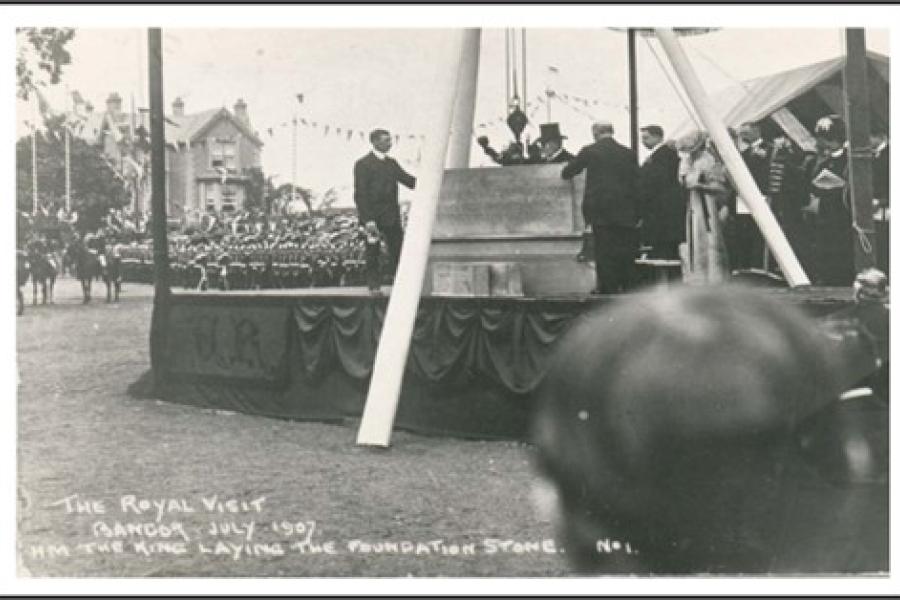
x: 530, y: 200
x: 460, y: 279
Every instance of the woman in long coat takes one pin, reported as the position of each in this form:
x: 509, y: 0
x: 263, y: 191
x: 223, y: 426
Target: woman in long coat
x: 710, y: 205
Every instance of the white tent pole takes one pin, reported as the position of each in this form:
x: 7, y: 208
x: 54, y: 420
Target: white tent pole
x: 464, y: 108
x: 744, y: 182
x: 34, y: 175
x: 396, y: 333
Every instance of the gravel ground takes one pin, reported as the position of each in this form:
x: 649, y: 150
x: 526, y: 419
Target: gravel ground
x: 92, y: 461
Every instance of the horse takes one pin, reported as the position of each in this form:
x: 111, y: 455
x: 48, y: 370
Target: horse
x: 111, y: 272
x: 97, y: 262
x: 87, y: 266
x: 44, y: 267
x: 23, y: 269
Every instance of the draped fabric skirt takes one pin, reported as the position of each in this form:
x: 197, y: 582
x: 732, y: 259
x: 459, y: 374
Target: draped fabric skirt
x: 704, y: 257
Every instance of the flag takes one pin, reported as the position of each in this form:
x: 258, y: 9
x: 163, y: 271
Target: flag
x: 552, y: 69
x: 302, y: 120
x: 338, y: 131
x: 43, y: 105
x: 270, y: 132
x: 327, y: 127
x: 300, y: 98
x: 349, y: 134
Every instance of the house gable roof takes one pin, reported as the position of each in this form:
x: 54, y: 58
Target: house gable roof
x: 191, y: 127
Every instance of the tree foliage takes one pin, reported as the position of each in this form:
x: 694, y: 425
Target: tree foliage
x: 281, y: 199
x: 40, y: 57
x: 257, y: 187
x: 95, y: 188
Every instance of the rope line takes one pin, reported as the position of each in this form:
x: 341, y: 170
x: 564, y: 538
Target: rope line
x: 662, y: 67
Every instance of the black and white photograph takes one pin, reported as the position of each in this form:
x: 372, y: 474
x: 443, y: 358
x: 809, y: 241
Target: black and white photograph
x: 490, y: 299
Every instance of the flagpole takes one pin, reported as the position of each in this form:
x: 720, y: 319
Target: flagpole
x: 134, y: 186
x: 68, y: 173
x: 34, y: 173
x: 68, y: 157
x: 159, y: 319
x: 294, y: 162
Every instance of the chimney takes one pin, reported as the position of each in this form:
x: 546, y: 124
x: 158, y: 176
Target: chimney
x: 240, y: 112
x: 178, y: 107
x: 114, y: 103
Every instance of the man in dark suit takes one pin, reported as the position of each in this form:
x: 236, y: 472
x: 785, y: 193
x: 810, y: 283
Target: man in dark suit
x: 375, y: 179
x: 661, y: 196
x: 610, y: 205
x: 881, y: 186
x: 881, y: 191
x: 747, y: 246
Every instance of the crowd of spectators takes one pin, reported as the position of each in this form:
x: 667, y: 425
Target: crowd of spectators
x: 245, y: 254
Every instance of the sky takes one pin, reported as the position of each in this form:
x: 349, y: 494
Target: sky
x: 359, y: 79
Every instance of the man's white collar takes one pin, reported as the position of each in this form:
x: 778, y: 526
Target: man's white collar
x: 379, y: 154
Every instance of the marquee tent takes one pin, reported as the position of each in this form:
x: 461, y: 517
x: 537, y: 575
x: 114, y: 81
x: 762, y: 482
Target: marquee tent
x: 794, y: 100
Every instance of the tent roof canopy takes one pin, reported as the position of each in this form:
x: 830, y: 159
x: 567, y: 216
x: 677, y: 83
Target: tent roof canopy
x: 756, y: 99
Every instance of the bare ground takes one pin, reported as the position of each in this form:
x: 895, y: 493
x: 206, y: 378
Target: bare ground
x: 79, y: 433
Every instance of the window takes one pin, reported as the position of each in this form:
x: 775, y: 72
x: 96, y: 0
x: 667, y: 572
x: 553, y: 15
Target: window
x: 210, y: 198
x: 223, y: 153
x: 229, y: 198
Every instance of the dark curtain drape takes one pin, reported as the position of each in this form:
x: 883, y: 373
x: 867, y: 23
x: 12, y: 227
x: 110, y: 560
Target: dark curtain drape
x: 454, y: 341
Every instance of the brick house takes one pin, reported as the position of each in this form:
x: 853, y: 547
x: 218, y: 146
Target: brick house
x: 208, y: 155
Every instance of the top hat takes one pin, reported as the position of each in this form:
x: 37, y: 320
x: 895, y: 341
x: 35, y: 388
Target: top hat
x: 550, y: 131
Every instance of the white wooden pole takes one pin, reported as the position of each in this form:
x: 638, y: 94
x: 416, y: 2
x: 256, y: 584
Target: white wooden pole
x: 294, y: 162
x: 68, y: 173
x: 464, y: 107
x: 396, y: 333
x: 746, y: 187
x: 34, y: 174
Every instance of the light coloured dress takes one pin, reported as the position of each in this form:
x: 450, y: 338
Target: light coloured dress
x: 705, y: 256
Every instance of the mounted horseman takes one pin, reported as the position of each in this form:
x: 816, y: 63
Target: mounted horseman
x: 23, y: 269
x: 44, y: 267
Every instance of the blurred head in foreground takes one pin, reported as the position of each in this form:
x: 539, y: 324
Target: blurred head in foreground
x: 670, y: 429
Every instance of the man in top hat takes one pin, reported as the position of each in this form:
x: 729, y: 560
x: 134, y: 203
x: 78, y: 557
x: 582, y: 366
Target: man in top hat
x: 610, y: 205
x: 551, y: 143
